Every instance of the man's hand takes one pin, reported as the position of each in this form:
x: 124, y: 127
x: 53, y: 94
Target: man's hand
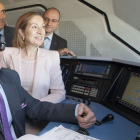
x: 89, y: 119
x: 65, y: 51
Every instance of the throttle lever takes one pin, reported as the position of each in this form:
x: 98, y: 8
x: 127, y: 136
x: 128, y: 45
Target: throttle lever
x: 107, y: 118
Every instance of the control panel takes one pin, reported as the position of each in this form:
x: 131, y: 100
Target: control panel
x: 94, y: 69
x: 125, y: 94
x: 129, y: 95
x: 87, y: 79
x: 113, y: 84
x: 85, y: 86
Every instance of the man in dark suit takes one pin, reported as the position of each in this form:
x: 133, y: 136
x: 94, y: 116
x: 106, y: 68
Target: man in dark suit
x: 52, y: 41
x: 9, y: 35
x: 58, y: 42
x: 5, y: 31
x: 19, y: 103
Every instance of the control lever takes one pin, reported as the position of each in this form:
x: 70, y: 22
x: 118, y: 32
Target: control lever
x: 83, y: 130
x: 107, y: 118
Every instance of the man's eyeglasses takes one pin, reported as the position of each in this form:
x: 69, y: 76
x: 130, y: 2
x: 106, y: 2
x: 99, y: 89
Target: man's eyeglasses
x: 2, y: 43
x: 53, y: 20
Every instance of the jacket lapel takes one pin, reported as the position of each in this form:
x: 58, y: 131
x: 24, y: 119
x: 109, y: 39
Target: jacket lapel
x: 14, y: 104
x: 54, y: 43
x: 17, y: 62
x: 1, y: 131
x: 40, y: 60
x: 7, y: 36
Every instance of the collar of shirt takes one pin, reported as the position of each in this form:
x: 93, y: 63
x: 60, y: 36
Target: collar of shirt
x: 2, y: 32
x: 47, y: 42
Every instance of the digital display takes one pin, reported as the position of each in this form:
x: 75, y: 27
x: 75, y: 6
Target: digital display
x: 86, y: 81
x: 94, y: 69
x: 132, y: 92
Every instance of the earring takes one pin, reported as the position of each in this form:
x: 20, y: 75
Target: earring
x: 23, y: 38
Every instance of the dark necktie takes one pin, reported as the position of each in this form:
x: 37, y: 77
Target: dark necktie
x: 6, y: 128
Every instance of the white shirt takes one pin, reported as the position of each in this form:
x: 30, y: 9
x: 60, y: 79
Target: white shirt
x: 9, y: 115
x: 47, y: 41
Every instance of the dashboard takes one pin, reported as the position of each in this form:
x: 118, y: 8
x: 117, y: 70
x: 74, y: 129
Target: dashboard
x: 112, y: 83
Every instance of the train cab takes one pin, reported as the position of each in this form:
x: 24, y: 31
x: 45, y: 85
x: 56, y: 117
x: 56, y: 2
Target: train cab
x: 105, y: 73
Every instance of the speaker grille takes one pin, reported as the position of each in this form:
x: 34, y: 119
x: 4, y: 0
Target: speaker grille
x: 94, y: 52
x: 76, y: 40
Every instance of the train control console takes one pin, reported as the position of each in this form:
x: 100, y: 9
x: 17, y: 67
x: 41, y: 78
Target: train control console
x: 111, y: 82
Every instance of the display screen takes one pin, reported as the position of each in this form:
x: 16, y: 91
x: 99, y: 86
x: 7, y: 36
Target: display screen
x: 132, y: 92
x: 86, y: 81
x: 94, y: 69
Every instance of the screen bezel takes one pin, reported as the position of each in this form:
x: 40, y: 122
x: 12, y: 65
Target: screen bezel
x: 94, y: 66
x: 121, y: 89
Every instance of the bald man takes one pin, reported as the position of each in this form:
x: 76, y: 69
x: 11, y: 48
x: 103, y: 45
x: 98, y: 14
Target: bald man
x: 52, y: 41
x: 6, y: 33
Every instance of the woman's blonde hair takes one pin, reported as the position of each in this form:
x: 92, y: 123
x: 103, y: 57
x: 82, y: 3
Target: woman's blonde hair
x: 22, y: 23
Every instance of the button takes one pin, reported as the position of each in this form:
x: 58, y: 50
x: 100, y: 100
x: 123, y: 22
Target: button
x: 85, y: 93
x: 87, y: 88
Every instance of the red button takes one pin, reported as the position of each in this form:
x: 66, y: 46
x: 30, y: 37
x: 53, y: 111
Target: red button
x: 87, y: 88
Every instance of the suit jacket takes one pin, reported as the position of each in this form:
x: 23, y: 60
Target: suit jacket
x: 58, y: 42
x: 9, y: 35
x: 16, y: 96
x: 47, y: 73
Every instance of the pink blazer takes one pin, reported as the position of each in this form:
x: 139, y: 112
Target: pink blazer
x: 47, y: 73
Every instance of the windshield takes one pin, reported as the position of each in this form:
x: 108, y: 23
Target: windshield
x: 86, y: 30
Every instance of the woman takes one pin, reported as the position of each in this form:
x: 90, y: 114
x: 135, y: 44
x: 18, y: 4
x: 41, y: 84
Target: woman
x: 38, y: 68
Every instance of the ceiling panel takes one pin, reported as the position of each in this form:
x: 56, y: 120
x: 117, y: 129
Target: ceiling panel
x: 12, y: 16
